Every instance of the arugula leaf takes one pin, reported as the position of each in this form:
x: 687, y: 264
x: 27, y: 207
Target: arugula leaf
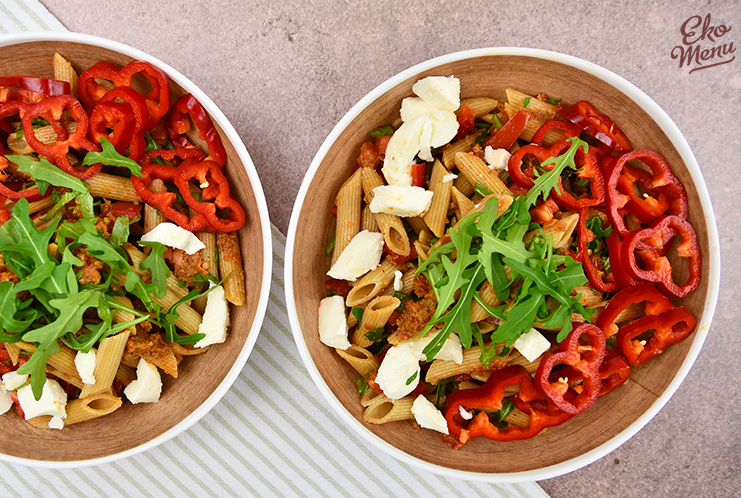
x: 362, y: 386
x: 549, y: 180
x: 110, y: 157
x: 43, y: 170
x: 507, y: 408
x: 525, y: 102
x: 376, y: 335
x: 384, y: 130
x: 120, y: 232
x: 357, y: 313
x: 157, y: 266
x: 151, y: 143
x: 519, y: 319
x: 482, y: 189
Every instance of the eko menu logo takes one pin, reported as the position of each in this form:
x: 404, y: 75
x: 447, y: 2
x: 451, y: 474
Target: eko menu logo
x: 702, y: 46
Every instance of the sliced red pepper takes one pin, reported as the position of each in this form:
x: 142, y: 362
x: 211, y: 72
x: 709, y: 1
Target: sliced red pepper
x: 158, y: 98
x: 419, y: 170
x: 506, y: 136
x: 214, y: 187
x: 178, y: 124
x: 465, y: 122
x: 645, y: 208
x: 588, y: 170
x: 619, y: 274
x: 50, y: 88
x: 127, y: 95
x: 656, y: 303
x: 601, y: 127
x: 613, y: 372
x: 121, y: 208
x: 524, y: 178
x: 115, y: 116
x: 11, y: 109
x: 4, y: 215
x: 585, y: 236
x: 668, y: 328
x: 52, y: 109
x: 175, y: 156
x: 662, y: 182
x: 568, y: 129
x: 585, y: 358
x: 649, y: 244
x: 89, y: 90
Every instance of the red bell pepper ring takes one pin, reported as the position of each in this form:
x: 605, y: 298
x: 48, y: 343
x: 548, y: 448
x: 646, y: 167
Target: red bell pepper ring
x: 11, y: 109
x: 585, y: 358
x: 568, y: 129
x: 4, y: 215
x: 465, y: 122
x: 214, y: 187
x: 178, y: 124
x: 656, y: 304
x: 175, y: 156
x: 164, y: 201
x: 508, y: 134
x: 524, y: 178
x: 613, y: 372
x: 650, y: 245
x: 663, y: 180
x: 601, y: 127
x: 127, y: 95
x: 88, y: 88
x: 588, y: 170
x: 115, y: 116
x: 584, y: 236
x: 44, y: 86
x: 158, y: 98
x: 668, y: 328
x: 645, y: 208
x: 619, y: 274
x: 52, y: 109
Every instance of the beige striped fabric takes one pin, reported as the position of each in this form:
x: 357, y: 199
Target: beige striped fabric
x: 271, y: 435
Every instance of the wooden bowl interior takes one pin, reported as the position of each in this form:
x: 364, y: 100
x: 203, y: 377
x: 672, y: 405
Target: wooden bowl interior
x: 200, y: 375
x: 489, y: 76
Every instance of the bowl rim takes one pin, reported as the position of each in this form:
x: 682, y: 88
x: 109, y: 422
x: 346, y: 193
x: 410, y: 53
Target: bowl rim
x: 678, y: 141
x: 233, y: 136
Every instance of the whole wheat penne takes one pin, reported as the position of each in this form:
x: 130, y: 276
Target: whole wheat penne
x: 209, y: 256
x: 368, y: 220
x: 391, y: 226
x: 107, y: 362
x: 152, y: 216
x: 113, y: 187
x: 348, y: 202
x: 462, y: 145
x: 83, y: 409
x: 63, y: 71
x: 375, y: 315
x: 230, y: 267
x: 476, y: 170
x: 436, y: 216
x: 480, y: 105
x: 382, y: 410
x: 371, y: 284
x: 362, y: 360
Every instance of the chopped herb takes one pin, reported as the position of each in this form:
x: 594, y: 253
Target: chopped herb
x: 357, y: 313
x: 384, y: 130
x: 376, y: 335
x: 403, y: 298
x: 413, y: 377
x: 507, y: 408
x: 330, y: 246
x: 525, y: 102
x: 362, y: 387
x: 553, y: 101
x: 496, y: 121
x: 481, y: 189
x: 549, y: 180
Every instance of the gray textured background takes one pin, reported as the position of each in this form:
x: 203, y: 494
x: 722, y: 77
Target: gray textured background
x: 285, y: 72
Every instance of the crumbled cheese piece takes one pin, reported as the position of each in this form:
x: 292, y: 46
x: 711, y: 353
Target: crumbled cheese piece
x: 398, y: 284
x: 400, y: 201
x: 5, y: 400
x: 361, y: 255
x: 442, y: 92
x: 414, y: 107
x: 172, y: 235
x: 465, y: 413
x: 85, y: 364
x: 532, y: 344
x: 401, y: 149
x: 399, y: 372
x: 428, y: 416
x: 215, y: 318
x: 12, y: 381
x: 444, y: 128
x: 333, y: 323
x: 56, y: 423
x: 451, y: 350
x: 449, y: 177
x: 148, y: 384
x: 53, y: 400
x: 497, y: 159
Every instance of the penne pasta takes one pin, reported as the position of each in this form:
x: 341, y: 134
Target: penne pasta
x: 362, y: 360
x: 348, y: 202
x: 372, y: 283
x: 230, y: 267
x: 391, y: 226
x: 382, y: 410
x: 107, y: 362
x: 436, y: 216
x: 476, y: 170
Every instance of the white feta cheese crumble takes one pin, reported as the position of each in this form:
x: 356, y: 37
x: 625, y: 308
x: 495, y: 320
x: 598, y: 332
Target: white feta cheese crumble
x: 400, y: 201
x: 85, y: 365
x: 361, y: 255
x: 398, y: 284
x: 172, y: 235
x: 451, y: 350
x: 56, y: 423
x: 53, y: 400
x: 148, y: 384
x: 428, y: 416
x: 400, y: 151
x: 442, y: 92
x: 215, y: 318
x: 444, y: 128
x: 532, y: 344
x: 414, y: 107
x: 465, y: 413
x: 497, y: 159
x: 12, y: 381
x: 399, y: 372
x: 333, y: 323
x: 449, y: 177
x: 5, y: 400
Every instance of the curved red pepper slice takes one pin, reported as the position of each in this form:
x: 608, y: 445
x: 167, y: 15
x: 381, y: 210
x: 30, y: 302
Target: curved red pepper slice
x: 668, y: 328
x: 568, y: 129
x: 465, y: 122
x: 601, y: 127
x: 176, y: 156
x: 508, y: 134
x: 50, y: 88
x: 585, y: 235
x: 613, y: 372
x: 214, y: 187
x: 585, y: 358
x: 178, y: 124
x: 11, y: 109
x: 524, y: 178
x: 645, y: 208
x: 158, y: 98
x: 650, y: 245
x: 164, y: 201
x: 89, y: 90
x: 588, y: 170
x: 52, y: 109
x: 127, y: 95
x: 116, y: 116
x: 662, y: 180
x: 614, y: 244
x: 656, y: 303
